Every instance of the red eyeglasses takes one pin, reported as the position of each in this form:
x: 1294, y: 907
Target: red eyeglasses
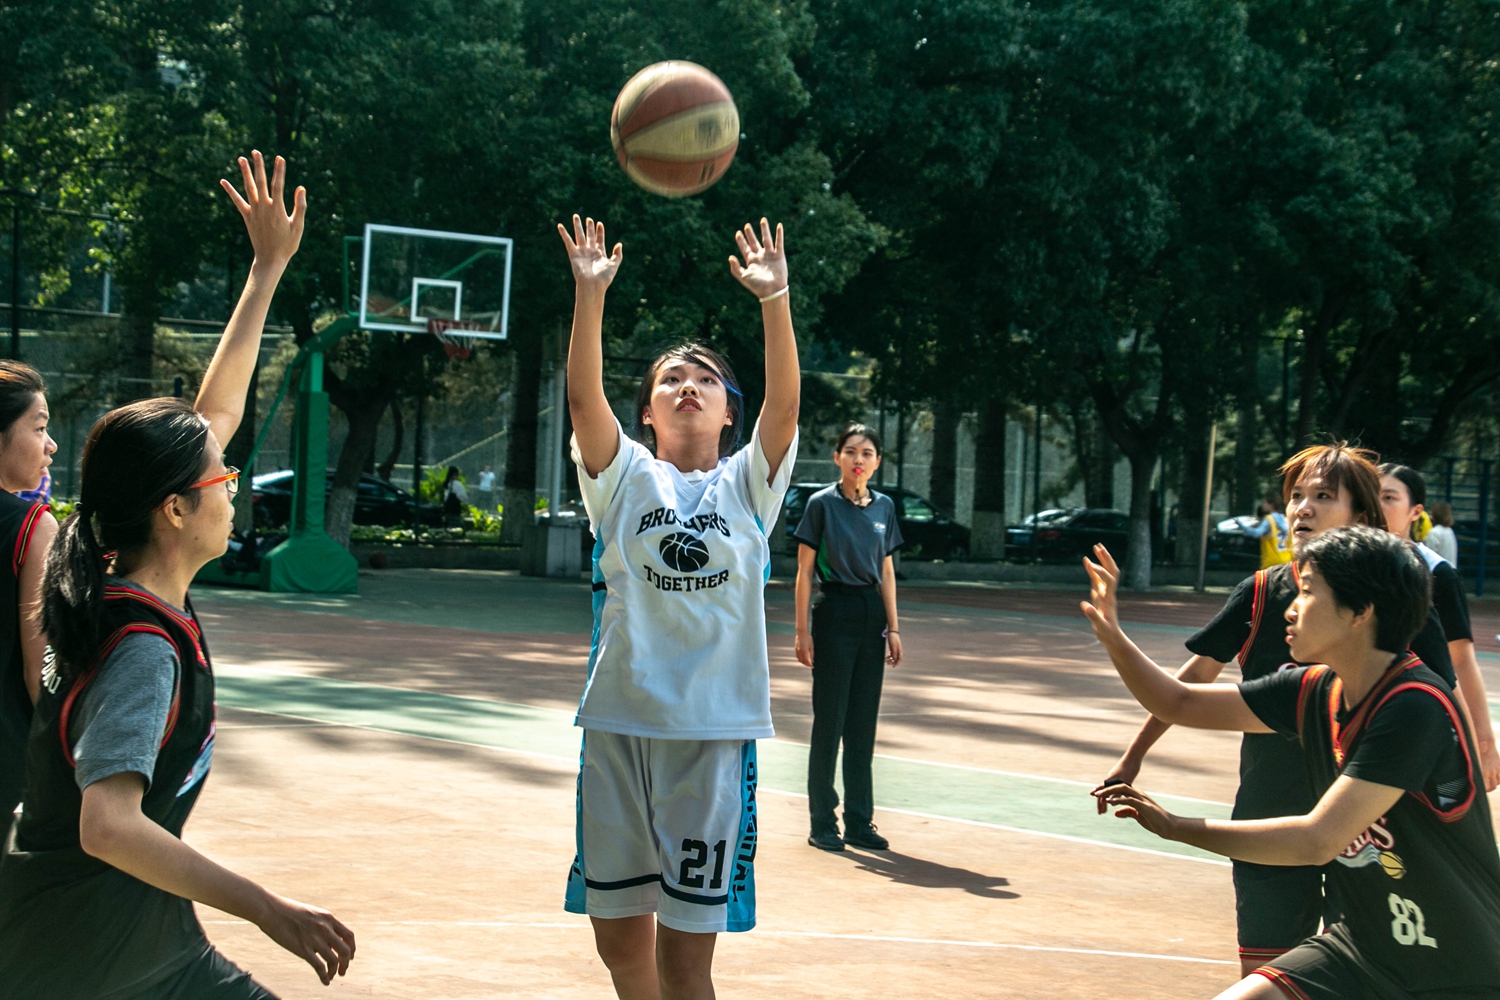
x: 230, y: 479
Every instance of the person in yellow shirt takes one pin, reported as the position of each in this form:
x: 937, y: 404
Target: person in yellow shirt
x: 1275, y: 545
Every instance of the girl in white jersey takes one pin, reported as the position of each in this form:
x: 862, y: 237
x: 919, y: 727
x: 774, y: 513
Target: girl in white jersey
x: 679, y: 687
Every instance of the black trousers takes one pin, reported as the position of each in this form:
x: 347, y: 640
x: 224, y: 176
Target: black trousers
x: 848, y: 669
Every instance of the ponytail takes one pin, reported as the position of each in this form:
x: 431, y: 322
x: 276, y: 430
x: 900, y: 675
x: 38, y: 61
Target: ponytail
x: 73, y: 593
x: 136, y: 457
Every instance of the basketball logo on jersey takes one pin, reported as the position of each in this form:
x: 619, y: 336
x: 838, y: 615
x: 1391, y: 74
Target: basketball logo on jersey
x: 684, y: 552
x: 1374, y: 847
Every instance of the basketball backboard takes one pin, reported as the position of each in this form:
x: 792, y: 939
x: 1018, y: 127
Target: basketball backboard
x: 409, y: 276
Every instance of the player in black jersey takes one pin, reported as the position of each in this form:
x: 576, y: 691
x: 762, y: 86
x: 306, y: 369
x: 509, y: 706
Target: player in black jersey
x: 1327, y: 486
x: 96, y: 892
x: 1403, y: 496
x: 1401, y: 820
x: 26, y: 532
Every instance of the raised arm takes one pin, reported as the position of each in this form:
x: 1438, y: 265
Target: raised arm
x: 1202, y: 706
x: 275, y: 236
x: 764, y: 272
x: 1344, y: 812
x: 593, y: 270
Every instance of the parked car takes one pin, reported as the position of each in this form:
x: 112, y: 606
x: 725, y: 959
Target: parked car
x: 375, y: 501
x: 927, y: 532
x: 1067, y: 533
x: 1232, y: 545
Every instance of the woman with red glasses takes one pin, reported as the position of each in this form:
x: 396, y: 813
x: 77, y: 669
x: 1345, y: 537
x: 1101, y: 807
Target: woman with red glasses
x: 96, y: 891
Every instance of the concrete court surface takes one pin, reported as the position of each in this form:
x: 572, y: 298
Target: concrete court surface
x: 405, y: 757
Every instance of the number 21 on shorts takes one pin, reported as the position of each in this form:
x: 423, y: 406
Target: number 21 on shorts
x: 1407, y: 924
x: 699, y: 857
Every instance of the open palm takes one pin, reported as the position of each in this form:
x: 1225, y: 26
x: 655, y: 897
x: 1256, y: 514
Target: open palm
x: 764, y: 268
x: 593, y: 267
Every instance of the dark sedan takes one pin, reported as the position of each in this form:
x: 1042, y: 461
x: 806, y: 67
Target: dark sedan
x: 375, y: 502
x: 927, y: 532
x: 1067, y: 533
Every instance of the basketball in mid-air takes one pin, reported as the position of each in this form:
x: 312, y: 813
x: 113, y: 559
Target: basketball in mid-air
x: 675, y: 128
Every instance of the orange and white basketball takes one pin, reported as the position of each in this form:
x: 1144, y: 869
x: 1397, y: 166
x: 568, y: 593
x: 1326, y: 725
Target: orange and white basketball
x: 675, y: 128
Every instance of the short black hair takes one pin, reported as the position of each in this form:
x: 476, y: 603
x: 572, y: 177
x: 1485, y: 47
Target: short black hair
x: 1368, y: 567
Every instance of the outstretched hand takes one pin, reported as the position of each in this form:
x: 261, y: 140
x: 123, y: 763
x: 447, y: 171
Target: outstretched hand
x: 312, y: 934
x: 1104, y: 583
x: 593, y: 268
x: 1129, y: 803
x: 764, y: 270
x: 274, y: 235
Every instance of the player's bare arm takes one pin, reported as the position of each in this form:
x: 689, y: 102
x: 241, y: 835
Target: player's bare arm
x: 1475, y: 698
x: 1197, y: 670
x: 764, y: 273
x: 593, y: 270
x: 275, y: 237
x: 113, y: 829
x: 1345, y: 811
x: 29, y: 593
x: 893, y: 622
x: 802, y: 600
x: 1202, y: 706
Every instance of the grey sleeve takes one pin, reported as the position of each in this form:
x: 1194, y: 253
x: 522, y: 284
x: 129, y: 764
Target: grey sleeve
x: 810, y: 529
x: 122, y: 714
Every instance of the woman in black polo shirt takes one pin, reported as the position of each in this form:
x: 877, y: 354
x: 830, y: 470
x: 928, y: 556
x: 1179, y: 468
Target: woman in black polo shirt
x: 847, y: 536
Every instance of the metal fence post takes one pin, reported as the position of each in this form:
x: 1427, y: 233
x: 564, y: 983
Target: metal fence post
x: 1448, y: 482
x: 1484, y: 523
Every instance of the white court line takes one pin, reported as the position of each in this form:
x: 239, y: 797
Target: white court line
x: 822, y: 935
x: 1011, y: 774
x: 1033, y: 833
x: 775, y: 791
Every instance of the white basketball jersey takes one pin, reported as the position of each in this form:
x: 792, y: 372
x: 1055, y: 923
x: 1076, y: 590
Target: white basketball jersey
x: 680, y: 567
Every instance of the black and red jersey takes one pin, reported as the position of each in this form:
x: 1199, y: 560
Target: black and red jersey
x: 72, y: 925
x: 1419, y: 889
x: 18, y: 520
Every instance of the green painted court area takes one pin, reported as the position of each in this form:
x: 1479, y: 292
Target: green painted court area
x: 406, y: 756
x: 1017, y: 802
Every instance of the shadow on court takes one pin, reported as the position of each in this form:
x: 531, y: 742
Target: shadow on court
x: 906, y: 870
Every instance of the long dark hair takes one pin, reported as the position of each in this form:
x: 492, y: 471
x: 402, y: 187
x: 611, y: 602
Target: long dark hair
x: 20, y: 384
x: 135, y: 458
x: 698, y: 354
x: 858, y: 430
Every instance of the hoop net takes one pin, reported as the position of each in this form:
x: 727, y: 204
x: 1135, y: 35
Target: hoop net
x: 450, y: 333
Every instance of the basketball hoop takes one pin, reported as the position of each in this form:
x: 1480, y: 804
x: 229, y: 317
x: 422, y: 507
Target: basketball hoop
x: 456, y: 343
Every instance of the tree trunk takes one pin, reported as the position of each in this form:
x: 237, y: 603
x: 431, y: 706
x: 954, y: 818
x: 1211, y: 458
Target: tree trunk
x: 519, y: 498
x: 943, y: 486
x: 398, y: 437
x: 137, y: 350
x: 359, y: 443
x: 1138, y: 553
x: 1247, y: 486
x: 1190, y: 493
x: 987, y: 533
x: 1314, y: 344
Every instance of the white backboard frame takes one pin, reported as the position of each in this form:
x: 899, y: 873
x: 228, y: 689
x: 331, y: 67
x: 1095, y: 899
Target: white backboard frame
x: 367, y: 322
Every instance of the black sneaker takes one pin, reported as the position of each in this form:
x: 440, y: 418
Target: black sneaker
x: 867, y: 838
x: 828, y: 840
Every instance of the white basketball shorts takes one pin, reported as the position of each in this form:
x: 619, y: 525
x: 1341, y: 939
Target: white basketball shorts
x: 666, y: 827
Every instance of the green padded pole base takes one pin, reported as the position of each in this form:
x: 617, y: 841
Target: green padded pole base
x: 310, y: 563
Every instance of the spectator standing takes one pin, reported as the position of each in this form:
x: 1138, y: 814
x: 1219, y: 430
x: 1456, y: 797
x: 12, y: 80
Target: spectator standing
x: 846, y: 537
x: 487, y: 490
x: 1275, y: 543
x: 455, y: 497
x: 1440, y: 538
